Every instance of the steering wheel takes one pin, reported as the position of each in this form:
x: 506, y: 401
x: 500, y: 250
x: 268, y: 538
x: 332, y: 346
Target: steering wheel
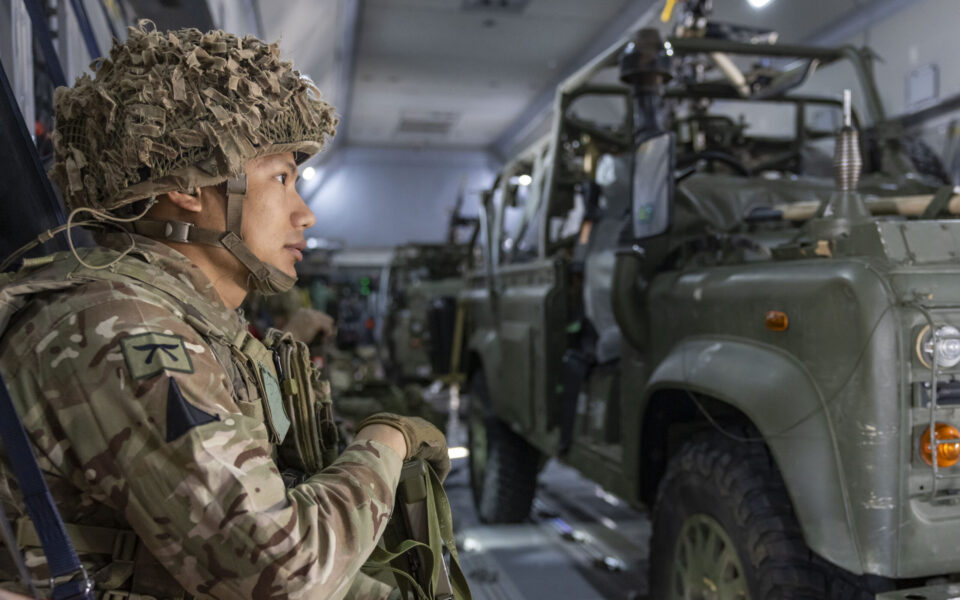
x: 693, y: 163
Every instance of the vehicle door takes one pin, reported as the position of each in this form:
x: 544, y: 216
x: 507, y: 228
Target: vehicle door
x: 526, y: 286
x: 588, y: 206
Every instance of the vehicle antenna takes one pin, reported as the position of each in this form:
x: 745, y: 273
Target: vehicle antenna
x: 847, y: 109
x: 847, y: 161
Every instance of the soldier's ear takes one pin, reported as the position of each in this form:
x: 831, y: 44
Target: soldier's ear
x: 189, y: 202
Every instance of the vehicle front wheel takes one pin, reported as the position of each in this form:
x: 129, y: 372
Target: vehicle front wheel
x: 503, y: 466
x: 724, y: 529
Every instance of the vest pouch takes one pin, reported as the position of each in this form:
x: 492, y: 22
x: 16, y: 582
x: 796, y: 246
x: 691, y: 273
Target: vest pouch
x: 255, y: 362
x: 312, y: 442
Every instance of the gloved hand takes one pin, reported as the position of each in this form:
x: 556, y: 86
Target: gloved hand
x: 424, y: 441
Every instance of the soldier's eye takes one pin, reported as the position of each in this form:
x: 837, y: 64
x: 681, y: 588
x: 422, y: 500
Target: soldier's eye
x: 281, y: 177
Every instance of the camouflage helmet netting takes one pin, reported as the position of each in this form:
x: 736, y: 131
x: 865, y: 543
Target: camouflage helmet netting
x: 170, y: 111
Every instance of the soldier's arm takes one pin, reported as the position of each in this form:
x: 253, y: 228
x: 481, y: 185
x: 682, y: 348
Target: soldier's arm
x: 192, y: 474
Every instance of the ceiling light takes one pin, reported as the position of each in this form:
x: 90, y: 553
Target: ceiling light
x: 524, y: 179
x: 759, y: 3
x: 308, y: 173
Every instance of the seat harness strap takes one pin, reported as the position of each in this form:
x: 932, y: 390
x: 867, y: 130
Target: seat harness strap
x: 68, y: 578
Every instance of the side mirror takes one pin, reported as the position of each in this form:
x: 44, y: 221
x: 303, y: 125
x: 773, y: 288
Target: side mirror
x: 653, y: 185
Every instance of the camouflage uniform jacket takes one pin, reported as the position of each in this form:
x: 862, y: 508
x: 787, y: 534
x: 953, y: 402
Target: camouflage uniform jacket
x: 144, y: 416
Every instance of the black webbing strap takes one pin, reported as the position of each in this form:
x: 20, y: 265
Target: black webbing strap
x: 941, y: 199
x: 68, y: 578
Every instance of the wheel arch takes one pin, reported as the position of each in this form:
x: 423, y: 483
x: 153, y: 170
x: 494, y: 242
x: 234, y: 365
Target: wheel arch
x: 482, y: 353
x: 735, y: 381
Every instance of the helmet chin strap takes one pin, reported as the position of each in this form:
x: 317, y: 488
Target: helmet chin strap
x: 263, y: 277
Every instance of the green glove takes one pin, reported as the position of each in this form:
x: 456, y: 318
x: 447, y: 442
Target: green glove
x: 424, y: 441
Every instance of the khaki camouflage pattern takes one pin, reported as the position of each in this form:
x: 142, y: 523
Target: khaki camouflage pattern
x: 177, y: 110
x: 361, y: 390
x: 209, y: 505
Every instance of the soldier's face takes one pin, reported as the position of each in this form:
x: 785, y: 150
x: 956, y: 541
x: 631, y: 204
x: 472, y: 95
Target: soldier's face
x: 274, y: 214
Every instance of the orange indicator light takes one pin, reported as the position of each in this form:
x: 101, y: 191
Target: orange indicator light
x: 947, y: 454
x: 777, y: 320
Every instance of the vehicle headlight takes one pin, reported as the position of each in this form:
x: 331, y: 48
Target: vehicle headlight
x: 947, y: 346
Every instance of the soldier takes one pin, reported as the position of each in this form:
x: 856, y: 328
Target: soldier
x: 153, y: 413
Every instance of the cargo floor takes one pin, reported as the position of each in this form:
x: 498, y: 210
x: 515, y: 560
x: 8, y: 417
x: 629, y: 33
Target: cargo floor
x: 578, y: 544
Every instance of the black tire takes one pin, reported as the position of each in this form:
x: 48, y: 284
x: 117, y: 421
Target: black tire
x: 738, y: 486
x: 503, y: 466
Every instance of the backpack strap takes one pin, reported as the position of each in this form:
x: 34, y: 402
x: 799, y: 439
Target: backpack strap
x: 420, y: 529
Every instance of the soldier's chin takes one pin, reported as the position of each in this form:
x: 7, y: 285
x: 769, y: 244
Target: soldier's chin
x: 289, y: 267
x: 284, y: 265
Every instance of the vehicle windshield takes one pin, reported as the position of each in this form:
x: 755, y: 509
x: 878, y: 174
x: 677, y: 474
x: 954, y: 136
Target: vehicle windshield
x: 816, y: 79
x: 761, y: 135
x: 829, y: 82
x: 785, y: 126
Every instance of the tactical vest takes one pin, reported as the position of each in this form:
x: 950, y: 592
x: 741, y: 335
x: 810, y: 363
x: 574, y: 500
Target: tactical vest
x: 295, y: 405
x: 294, y: 401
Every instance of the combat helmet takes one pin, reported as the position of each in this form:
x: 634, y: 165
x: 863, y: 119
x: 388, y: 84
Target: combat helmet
x: 180, y: 110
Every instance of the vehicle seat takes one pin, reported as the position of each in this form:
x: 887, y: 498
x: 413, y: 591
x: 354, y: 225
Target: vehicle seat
x: 613, y: 176
x: 721, y: 202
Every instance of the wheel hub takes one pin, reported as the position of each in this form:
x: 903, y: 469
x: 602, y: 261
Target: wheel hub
x: 705, y: 563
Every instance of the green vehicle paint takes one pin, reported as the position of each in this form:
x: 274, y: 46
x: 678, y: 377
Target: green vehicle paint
x: 838, y: 396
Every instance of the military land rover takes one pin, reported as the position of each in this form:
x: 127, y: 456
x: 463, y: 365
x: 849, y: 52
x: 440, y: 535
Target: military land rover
x: 416, y: 311
x: 722, y: 289
x: 417, y: 305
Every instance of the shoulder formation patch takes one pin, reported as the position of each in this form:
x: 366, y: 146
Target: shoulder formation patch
x: 151, y: 353
x: 181, y: 415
